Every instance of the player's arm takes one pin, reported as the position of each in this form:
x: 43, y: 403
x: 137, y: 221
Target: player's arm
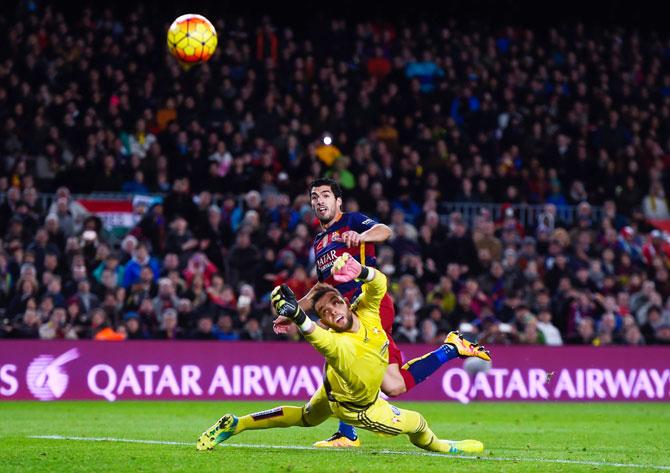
x: 281, y: 324
x: 374, y: 288
x: 328, y: 344
x: 346, y: 268
x: 365, y: 230
x: 286, y: 305
x: 306, y: 303
x: 377, y: 234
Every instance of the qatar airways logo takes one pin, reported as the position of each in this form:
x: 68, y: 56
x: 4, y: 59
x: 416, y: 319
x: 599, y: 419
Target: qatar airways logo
x: 326, y: 261
x: 46, y: 376
x: 569, y: 384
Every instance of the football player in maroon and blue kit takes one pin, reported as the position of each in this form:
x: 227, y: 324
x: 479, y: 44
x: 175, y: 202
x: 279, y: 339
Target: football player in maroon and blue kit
x: 356, y: 234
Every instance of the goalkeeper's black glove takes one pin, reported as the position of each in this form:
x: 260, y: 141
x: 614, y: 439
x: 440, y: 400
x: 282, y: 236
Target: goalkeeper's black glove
x: 286, y: 304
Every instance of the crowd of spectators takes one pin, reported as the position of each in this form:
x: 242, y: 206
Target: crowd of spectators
x: 405, y: 116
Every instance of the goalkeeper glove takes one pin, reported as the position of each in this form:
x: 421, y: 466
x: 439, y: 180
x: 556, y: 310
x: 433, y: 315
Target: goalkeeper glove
x: 346, y: 268
x: 286, y: 304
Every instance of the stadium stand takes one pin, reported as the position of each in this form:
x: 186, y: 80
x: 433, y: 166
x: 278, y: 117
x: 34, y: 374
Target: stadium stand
x: 524, y: 174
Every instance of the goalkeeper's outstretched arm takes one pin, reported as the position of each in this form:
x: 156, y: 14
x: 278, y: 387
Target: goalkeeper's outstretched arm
x: 286, y: 305
x: 346, y: 268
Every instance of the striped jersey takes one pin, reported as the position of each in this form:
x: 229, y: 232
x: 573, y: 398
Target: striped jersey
x: 328, y: 245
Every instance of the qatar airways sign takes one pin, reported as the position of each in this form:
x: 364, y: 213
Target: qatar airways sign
x: 248, y: 381
x: 575, y: 385
x: 52, y: 370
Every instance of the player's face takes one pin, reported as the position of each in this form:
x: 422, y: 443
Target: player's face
x: 324, y: 203
x: 334, y: 312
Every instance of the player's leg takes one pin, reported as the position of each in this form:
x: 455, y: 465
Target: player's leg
x: 454, y: 346
x: 401, y: 377
x: 316, y: 411
x: 396, y: 380
x: 393, y: 382
x: 386, y: 419
x: 424, y: 437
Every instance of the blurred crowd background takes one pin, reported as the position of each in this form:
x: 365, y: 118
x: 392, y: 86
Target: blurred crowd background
x: 411, y: 117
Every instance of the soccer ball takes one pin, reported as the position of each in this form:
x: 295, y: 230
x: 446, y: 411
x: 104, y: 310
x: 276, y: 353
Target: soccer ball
x: 473, y: 365
x: 191, y: 39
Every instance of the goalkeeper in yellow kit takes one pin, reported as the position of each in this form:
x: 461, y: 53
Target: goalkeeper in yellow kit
x: 356, y: 350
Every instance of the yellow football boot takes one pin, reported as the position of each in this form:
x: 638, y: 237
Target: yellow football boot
x: 465, y: 446
x: 466, y: 348
x: 219, y: 432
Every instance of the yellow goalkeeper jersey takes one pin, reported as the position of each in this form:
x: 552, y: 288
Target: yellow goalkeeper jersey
x: 356, y: 362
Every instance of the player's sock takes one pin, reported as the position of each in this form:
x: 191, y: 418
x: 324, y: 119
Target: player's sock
x: 348, y: 431
x: 422, y: 437
x: 420, y: 368
x: 426, y: 439
x: 283, y: 416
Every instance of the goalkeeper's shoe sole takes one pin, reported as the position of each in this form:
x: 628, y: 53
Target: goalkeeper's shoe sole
x: 219, y: 432
x: 338, y: 440
x: 465, y: 348
x: 465, y: 446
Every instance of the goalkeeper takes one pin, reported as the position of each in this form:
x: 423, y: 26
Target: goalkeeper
x: 356, y: 352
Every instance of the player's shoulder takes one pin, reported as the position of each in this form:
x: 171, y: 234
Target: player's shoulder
x: 357, y: 217
x: 341, y: 221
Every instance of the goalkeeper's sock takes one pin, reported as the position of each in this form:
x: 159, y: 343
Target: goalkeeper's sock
x: 426, y: 439
x: 282, y: 416
x: 423, y: 437
x: 418, y: 369
x: 348, y: 431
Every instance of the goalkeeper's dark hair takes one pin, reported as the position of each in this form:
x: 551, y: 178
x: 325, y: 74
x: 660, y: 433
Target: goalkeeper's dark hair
x: 322, y: 181
x: 319, y: 291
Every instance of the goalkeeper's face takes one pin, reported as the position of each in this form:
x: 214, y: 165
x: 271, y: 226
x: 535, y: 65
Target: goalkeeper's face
x: 334, y: 312
x: 325, y: 204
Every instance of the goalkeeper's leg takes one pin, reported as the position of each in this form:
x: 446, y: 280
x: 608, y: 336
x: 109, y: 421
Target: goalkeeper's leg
x: 313, y: 413
x: 383, y: 418
x: 424, y: 438
x: 394, y: 383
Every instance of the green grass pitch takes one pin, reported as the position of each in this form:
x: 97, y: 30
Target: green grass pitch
x: 519, y: 437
